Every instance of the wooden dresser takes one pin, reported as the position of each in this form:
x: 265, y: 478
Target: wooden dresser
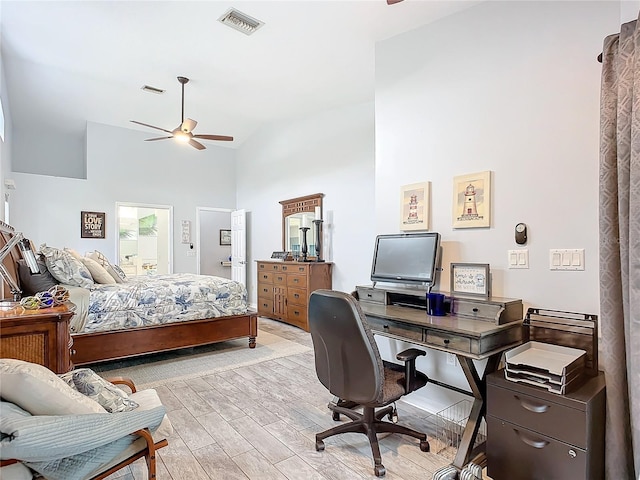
x: 38, y: 336
x: 284, y: 289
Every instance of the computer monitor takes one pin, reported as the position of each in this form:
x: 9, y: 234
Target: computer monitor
x: 406, y: 258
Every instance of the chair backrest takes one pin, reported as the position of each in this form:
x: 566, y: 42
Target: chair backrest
x: 347, y: 359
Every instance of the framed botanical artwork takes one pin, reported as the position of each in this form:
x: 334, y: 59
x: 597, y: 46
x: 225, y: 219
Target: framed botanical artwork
x: 92, y: 225
x: 472, y: 200
x: 470, y: 279
x: 225, y: 237
x: 414, y: 206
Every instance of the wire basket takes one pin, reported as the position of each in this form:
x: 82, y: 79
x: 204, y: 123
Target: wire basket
x: 448, y: 426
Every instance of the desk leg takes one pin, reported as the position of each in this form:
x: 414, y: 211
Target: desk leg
x: 478, y: 410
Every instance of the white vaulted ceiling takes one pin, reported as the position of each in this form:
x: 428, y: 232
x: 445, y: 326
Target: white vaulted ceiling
x: 69, y: 62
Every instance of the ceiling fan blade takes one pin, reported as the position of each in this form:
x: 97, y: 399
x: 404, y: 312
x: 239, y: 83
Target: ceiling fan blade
x: 150, y: 126
x: 188, y: 125
x: 158, y: 138
x: 197, y: 145
x: 222, y: 138
x: 392, y: 2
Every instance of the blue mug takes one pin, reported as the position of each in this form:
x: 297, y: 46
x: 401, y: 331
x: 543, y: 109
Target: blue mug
x: 435, y: 304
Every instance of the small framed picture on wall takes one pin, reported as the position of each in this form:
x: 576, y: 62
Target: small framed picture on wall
x: 225, y: 237
x: 414, y: 206
x: 92, y: 225
x: 472, y: 200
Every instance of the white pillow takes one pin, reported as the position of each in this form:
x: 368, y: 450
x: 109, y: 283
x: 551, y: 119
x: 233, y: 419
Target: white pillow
x: 98, y: 272
x: 39, y: 391
x: 102, y: 260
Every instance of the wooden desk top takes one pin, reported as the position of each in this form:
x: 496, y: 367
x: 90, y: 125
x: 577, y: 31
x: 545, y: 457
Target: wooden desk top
x: 462, y: 336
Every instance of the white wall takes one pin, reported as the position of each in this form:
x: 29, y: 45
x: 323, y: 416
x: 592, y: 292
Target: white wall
x: 510, y: 87
x: 122, y: 167
x: 330, y: 153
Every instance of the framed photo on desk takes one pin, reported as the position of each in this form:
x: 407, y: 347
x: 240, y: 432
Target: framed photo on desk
x: 470, y: 279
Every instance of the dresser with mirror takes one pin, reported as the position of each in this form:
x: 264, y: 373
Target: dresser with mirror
x: 284, y: 285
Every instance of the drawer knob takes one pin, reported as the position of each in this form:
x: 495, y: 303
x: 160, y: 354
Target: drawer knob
x: 385, y: 326
x: 475, y: 310
x: 446, y: 341
x: 532, y: 406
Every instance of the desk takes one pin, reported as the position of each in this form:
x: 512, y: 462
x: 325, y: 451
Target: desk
x: 468, y: 339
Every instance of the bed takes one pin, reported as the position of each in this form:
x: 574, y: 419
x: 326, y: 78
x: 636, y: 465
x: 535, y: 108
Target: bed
x: 149, y: 314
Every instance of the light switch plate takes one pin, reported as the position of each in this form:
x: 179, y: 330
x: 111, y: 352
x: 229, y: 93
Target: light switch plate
x: 518, y: 258
x: 566, y: 259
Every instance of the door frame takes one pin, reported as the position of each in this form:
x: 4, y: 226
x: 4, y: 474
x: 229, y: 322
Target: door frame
x: 198, y: 239
x: 144, y: 205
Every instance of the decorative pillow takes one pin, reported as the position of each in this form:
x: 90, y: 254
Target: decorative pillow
x: 39, y: 391
x: 98, y: 272
x: 73, y: 253
x: 120, y: 272
x: 65, y: 268
x: 102, y: 260
x: 89, y: 383
x: 36, y: 282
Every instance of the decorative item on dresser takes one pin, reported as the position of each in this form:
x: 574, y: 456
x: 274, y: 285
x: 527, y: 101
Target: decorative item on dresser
x: 37, y: 336
x: 284, y: 289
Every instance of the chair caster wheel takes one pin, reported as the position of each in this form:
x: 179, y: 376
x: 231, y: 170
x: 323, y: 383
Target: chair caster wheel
x: 336, y: 417
x: 380, y: 471
x: 319, y: 446
x: 424, y: 446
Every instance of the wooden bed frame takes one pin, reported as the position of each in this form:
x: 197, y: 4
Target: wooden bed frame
x: 117, y: 344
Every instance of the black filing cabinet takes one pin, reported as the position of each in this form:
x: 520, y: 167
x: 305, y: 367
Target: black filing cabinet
x: 533, y: 434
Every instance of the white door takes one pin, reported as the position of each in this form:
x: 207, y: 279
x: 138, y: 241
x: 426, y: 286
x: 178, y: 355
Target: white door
x: 239, y: 246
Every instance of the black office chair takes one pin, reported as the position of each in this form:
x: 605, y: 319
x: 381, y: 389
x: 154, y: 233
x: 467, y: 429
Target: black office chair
x: 348, y: 363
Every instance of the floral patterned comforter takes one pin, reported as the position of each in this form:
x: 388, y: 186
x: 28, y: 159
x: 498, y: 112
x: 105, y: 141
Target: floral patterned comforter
x: 156, y: 299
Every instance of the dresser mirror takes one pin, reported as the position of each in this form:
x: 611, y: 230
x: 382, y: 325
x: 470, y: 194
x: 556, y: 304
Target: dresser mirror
x: 296, y: 213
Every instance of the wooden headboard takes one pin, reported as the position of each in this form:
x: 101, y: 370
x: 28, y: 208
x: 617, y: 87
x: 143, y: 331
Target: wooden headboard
x: 10, y: 262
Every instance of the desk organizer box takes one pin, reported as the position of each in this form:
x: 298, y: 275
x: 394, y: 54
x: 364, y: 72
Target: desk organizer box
x: 556, y: 368
x: 560, y: 353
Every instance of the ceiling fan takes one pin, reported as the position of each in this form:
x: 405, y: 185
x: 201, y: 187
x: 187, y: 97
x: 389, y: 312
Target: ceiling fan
x: 393, y: 2
x: 184, y: 131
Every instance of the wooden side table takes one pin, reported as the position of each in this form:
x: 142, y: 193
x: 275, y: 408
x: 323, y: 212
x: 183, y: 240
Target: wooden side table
x: 38, y: 336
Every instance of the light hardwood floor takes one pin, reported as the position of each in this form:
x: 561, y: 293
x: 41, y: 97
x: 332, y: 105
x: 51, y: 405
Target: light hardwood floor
x: 259, y: 422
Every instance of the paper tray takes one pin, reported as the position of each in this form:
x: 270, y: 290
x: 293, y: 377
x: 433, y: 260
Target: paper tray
x: 545, y: 359
x: 551, y: 386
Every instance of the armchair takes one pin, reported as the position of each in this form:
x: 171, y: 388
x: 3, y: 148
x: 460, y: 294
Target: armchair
x: 348, y: 363
x: 45, y: 427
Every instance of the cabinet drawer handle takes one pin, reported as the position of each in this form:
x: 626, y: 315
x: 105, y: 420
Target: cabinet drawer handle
x: 475, y: 310
x: 532, y: 442
x: 295, y: 295
x: 73, y: 352
x: 265, y: 276
x: 531, y: 406
x: 446, y: 341
x: 296, y: 312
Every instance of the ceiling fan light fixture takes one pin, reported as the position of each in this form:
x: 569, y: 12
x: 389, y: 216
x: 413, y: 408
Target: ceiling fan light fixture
x: 240, y: 21
x: 181, y: 137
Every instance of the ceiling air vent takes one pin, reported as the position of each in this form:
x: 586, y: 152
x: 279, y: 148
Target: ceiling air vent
x: 240, y: 21
x: 150, y: 89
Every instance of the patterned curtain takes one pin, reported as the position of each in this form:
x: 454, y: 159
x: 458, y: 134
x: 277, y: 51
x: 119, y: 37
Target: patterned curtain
x: 620, y: 249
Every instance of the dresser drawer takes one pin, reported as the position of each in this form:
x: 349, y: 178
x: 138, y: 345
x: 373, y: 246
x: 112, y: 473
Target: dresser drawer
x: 297, y: 296
x: 299, y: 269
x: 265, y: 306
x: 265, y: 290
x: 265, y: 277
x: 299, y: 281
x: 448, y: 340
x: 395, y: 328
x: 297, y: 314
x: 515, y: 453
x: 561, y: 422
x: 279, y: 278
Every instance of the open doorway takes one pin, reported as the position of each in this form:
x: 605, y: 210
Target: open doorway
x: 145, y: 238
x: 213, y: 231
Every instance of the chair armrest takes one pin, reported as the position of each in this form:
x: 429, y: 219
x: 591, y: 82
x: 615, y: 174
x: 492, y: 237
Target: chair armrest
x: 410, y: 354
x: 123, y: 381
x: 409, y: 358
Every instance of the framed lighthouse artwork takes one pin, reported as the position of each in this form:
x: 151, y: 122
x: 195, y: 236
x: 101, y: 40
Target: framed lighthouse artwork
x: 472, y: 200
x: 414, y: 206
